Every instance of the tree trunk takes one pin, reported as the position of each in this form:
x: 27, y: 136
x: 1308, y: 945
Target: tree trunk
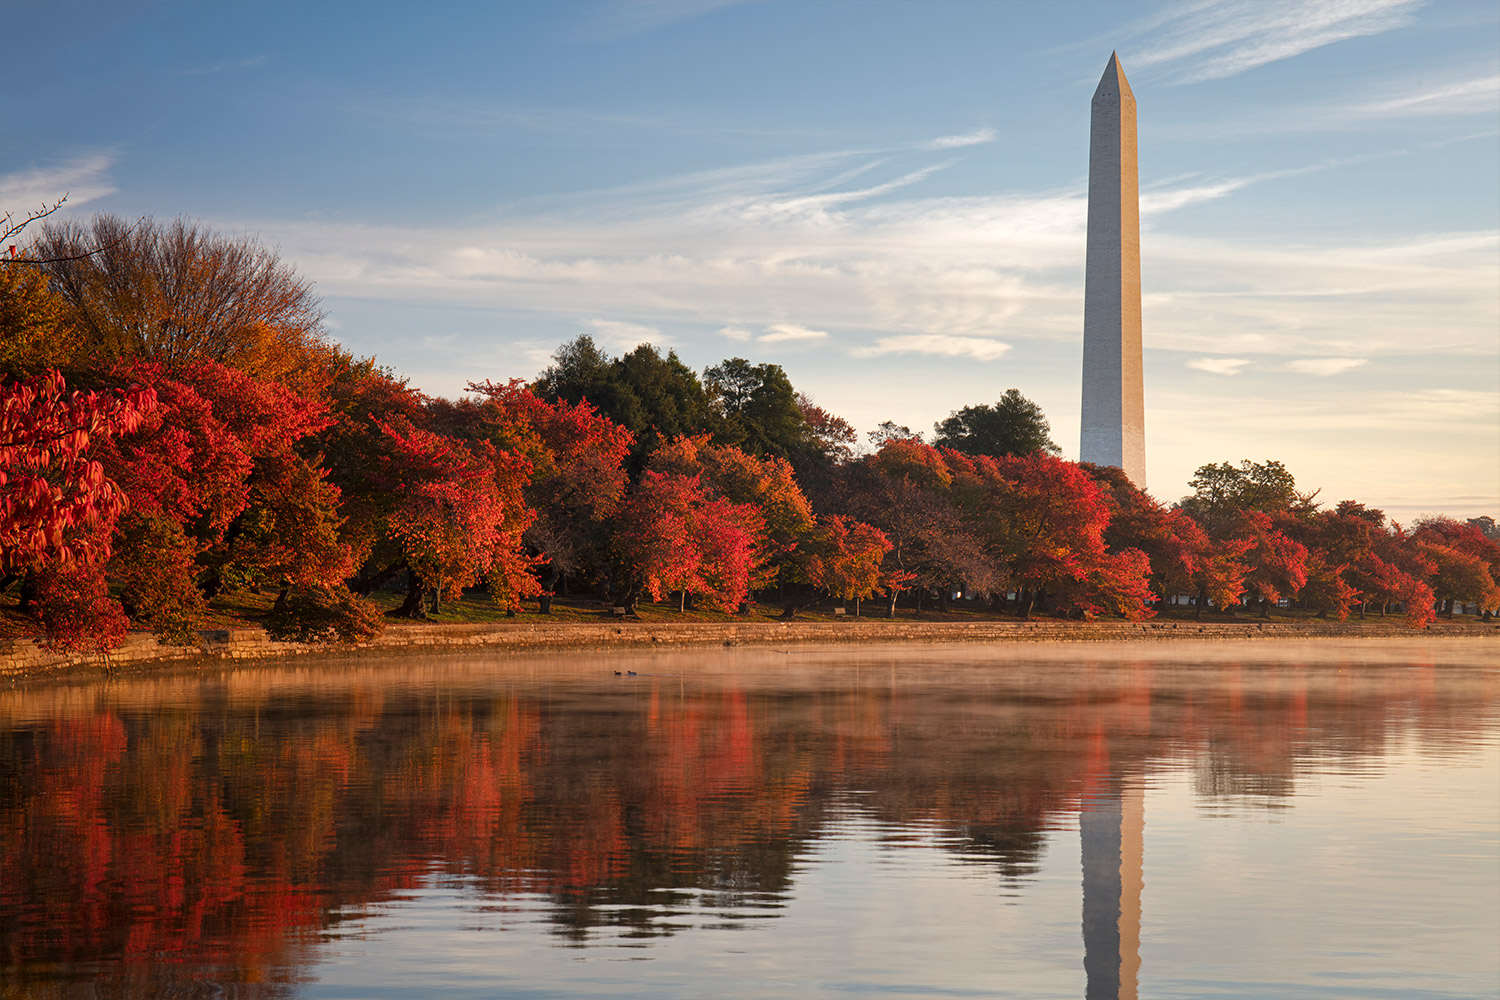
x: 412, y: 606
x: 549, y: 586
x: 891, y: 611
x: 280, y: 603
x: 1200, y: 603
x: 943, y: 600
x: 437, y: 599
x: 1265, y: 607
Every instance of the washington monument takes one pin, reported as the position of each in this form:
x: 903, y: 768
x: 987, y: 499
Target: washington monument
x: 1114, y: 412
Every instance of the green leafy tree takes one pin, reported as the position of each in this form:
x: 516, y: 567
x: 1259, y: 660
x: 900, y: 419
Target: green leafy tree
x: 1222, y: 492
x: 1013, y: 426
x: 762, y: 412
x: 656, y: 398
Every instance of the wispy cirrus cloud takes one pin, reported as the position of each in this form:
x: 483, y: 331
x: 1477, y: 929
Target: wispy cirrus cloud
x: 83, y: 179
x: 1220, y: 38
x: 1218, y: 366
x: 774, y: 333
x: 780, y: 333
x: 975, y: 138
x: 1324, y: 367
x: 895, y: 271
x: 940, y: 344
x: 1472, y: 95
x: 619, y: 335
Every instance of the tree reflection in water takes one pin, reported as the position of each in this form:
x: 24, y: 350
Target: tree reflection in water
x: 161, y: 835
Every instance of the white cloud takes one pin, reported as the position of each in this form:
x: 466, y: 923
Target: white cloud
x: 536, y: 352
x: 781, y: 332
x: 941, y: 344
x: 83, y: 179
x: 975, y: 138
x: 1218, y: 366
x: 1458, y: 97
x: 1351, y: 300
x: 619, y: 335
x: 1325, y: 366
x: 1219, y: 38
x: 743, y: 248
x: 735, y: 333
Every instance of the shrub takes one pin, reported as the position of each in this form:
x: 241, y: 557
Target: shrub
x: 323, y: 615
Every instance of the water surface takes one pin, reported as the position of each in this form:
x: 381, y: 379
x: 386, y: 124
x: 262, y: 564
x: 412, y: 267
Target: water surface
x: 1178, y: 820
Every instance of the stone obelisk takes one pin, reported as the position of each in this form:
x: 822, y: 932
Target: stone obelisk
x: 1114, y: 410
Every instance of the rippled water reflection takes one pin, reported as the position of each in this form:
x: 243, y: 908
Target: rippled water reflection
x: 1168, y: 821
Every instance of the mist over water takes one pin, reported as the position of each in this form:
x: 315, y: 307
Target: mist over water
x: 1084, y: 820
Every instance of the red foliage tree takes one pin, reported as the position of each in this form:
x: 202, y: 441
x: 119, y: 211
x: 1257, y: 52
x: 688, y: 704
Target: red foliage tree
x: 1054, y: 519
x: 220, y: 496
x: 905, y: 490
x: 674, y: 535
x: 578, y: 476
x: 1338, y: 542
x: 58, y: 508
x: 765, y: 484
x: 1465, y: 564
x: 1278, y: 563
x: 1216, y: 566
x: 56, y: 503
x: 460, y: 516
x: 362, y: 397
x: 1173, y: 543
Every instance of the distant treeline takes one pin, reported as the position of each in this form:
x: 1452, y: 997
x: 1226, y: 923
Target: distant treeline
x: 175, y: 426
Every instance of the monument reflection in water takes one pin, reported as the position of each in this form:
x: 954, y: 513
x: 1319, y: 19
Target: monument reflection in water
x: 1110, y: 825
x: 856, y: 822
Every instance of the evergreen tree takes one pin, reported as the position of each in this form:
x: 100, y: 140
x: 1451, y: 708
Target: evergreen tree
x: 1013, y: 426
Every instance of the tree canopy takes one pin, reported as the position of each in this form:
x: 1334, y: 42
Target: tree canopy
x: 1013, y: 426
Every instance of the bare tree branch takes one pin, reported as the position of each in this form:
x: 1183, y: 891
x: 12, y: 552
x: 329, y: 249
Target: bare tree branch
x: 12, y: 228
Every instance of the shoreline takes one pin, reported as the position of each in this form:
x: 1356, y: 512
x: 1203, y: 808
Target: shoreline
x: 25, y: 659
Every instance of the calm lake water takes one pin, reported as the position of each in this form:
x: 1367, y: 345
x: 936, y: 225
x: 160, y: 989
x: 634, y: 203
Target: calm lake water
x: 1177, y: 820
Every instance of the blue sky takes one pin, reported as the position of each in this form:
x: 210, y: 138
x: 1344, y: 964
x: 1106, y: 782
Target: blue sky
x: 885, y: 198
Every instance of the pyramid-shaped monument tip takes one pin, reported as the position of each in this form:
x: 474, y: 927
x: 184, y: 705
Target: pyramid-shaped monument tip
x: 1113, y: 81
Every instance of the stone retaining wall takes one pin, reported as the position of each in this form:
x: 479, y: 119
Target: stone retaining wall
x: 20, y: 658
